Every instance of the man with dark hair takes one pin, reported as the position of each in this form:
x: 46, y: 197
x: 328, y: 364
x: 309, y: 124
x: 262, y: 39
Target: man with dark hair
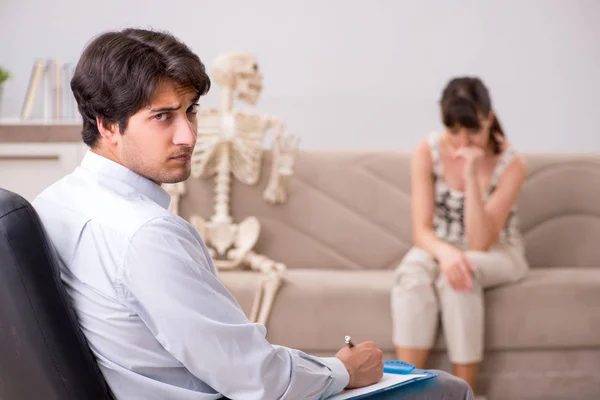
x: 147, y: 297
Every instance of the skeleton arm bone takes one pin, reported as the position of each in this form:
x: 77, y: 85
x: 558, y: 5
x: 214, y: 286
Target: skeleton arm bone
x: 284, y: 153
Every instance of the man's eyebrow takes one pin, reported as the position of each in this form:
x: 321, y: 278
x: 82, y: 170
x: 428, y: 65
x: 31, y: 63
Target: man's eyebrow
x: 165, y: 109
x: 174, y: 108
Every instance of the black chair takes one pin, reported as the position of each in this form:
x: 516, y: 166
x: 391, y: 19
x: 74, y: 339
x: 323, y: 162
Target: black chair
x: 43, y: 353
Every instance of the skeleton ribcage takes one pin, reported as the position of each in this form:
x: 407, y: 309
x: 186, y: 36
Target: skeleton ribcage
x: 245, y: 150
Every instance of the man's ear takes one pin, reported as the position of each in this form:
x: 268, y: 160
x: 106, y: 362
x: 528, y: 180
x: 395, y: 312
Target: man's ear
x: 109, y: 132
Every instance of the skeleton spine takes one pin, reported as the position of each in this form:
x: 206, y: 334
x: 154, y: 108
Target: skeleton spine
x: 222, y: 186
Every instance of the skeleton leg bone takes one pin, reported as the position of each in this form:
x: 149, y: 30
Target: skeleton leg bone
x: 270, y: 288
x: 258, y: 297
x: 271, y: 281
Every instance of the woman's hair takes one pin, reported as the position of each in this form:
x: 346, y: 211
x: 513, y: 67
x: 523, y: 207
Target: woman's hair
x: 464, y: 101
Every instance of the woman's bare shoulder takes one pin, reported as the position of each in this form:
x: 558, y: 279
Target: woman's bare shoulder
x: 516, y: 160
x: 421, y: 155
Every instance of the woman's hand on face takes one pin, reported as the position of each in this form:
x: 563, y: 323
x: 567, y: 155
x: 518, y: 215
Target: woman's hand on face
x: 457, y: 269
x: 472, y: 156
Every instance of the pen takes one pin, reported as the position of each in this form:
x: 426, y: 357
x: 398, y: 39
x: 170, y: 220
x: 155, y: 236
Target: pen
x: 348, y: 341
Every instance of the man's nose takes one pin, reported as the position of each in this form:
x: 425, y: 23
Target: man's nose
x: 185, y: 134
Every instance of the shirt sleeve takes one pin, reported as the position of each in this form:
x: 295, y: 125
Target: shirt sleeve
x: 168, y: 279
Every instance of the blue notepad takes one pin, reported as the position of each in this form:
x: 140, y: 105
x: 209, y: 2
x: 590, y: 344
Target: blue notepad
x: 396, y: 374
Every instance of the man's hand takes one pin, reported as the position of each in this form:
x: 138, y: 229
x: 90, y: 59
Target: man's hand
x: 364, y: 363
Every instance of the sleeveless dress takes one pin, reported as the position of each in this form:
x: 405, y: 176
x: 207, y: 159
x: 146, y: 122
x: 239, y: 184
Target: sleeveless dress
x: 449, y: 213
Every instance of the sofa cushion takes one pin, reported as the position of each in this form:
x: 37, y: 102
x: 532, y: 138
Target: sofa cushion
x: 315, y: 309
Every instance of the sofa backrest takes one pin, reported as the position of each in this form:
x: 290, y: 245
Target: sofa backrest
x: 351, y: 210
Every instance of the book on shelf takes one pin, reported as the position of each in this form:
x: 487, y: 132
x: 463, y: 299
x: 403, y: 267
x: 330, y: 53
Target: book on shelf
x: 49, y: 95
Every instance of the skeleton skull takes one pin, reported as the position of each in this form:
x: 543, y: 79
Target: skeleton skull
x: 238, y: 70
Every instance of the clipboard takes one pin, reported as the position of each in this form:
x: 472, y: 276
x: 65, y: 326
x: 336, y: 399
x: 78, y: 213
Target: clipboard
x: 394, y: 367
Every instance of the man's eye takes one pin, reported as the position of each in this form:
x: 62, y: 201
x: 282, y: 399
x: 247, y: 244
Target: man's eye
x: 161, y: 117
x: 193, y: 109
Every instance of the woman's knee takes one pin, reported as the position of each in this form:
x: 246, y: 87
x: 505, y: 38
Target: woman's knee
x: 417, y: 269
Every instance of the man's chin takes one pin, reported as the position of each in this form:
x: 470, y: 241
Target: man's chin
x: 176, y: 177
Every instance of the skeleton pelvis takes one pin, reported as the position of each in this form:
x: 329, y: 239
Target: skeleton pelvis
x: 221, y: 235
x: 229, y: 240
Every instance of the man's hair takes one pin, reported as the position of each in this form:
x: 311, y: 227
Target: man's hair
x: 118, y: 72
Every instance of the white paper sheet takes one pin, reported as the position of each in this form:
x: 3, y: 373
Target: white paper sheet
x: 386, y: 381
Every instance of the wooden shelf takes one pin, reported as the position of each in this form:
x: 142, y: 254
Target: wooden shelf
x: 32, y: 131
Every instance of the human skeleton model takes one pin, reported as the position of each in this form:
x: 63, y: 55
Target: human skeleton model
x: 229, y: 143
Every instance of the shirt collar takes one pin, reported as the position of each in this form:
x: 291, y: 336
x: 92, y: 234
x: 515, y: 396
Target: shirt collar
x: 101, y: 165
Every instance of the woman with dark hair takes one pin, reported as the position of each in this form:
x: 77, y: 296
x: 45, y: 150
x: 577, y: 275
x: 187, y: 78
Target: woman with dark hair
x: 465, y: 183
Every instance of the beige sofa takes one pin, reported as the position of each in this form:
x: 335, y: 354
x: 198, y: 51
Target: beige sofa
x: 347, y: 225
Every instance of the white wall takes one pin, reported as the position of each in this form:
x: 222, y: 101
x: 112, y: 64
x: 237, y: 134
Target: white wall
x: 359, y: 74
